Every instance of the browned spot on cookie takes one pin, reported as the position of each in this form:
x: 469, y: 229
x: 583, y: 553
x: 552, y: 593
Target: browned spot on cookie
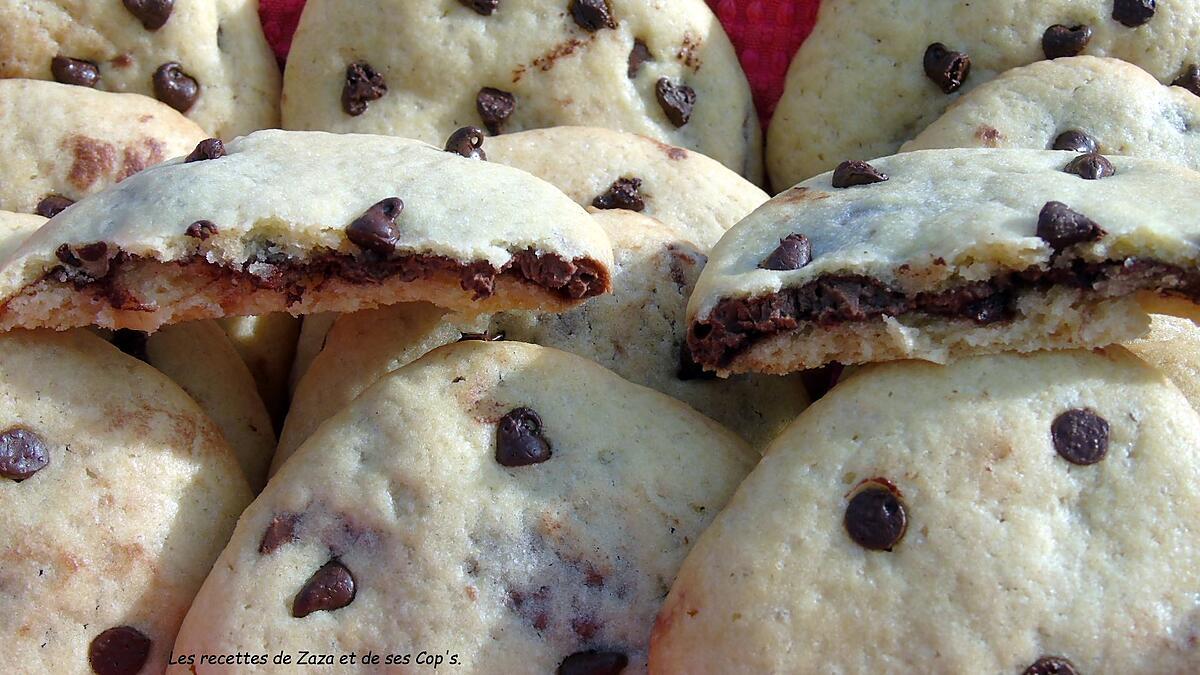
x: 672, y: 152
x: 585, y: 627
x: 688, y: 52
x: 140, y: 156
x: 547, y: 61
x: 685, y: 263
x: 122, y: 61
x: 92, y: 160
x: 990, y: 136
x: 799, y: 194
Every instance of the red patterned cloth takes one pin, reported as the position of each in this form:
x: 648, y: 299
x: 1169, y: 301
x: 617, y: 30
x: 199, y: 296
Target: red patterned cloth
x: 766, y: 34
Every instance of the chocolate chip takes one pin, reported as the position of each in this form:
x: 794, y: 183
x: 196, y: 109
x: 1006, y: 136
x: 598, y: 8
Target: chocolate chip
x: 93, y: 259
x: 689, y: 369
x: 1059, y: 40
x: 794, y: 251
x: 329, y: 589
x: 676, y: 100
x: 66, y: 256
x: 1080, y: 436
x: 175, y: 87
x: 132, y: 342
x: 875, y: 518
x: 1190, y: 79
x: 495, y: 106
x: 22, y: 454
x: 209, y: 148
x: 281, y: 530
x: 152, y: 13
x: 201, y: 229
x: 593, y: 662
x: 637, y: 56
x: 946, y: 68
x: 1061, y: 227
x: 376, y: 230
x: 592, y: 15
x: 363, y: 85
x: 849, y: 174
x: 622, y: 194
x: 468, y: 142
x: 1091, y: 166
x: 484, y: 7
x: 119, y: 651
x: 481, y: 337
x: 52, y: 205
x: 1075, y: 141
x: 1051, y: 665
x: 1133, y: 13
x: 74, y: 71
x: 519, y: 439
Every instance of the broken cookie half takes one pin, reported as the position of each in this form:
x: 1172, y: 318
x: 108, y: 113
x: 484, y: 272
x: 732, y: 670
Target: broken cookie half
x: 305, y: 222
x: 940, y: 254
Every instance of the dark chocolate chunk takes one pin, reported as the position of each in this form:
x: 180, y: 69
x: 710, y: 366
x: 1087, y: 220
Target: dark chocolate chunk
x: 1091, y: 166
x: 484, y: 7
x: 209, y: 148
x: 52, y: 205
x: 74, y: 71
x: 689, y: 369
x: 201, y: 229
x: 119, y: 651
x: 637, y: 56
x: 1133, y: 13
x: 22, y: 453
x: 1059, y: 40
x: 363, y: 85
x: 593, y: 662
x: 468, y: 142
x: 481, y: 337
x: 875, y: 518
x: 92, y: 259
x: 794, y: 251
x: 132, y: 342
x: 280, y: 531
x: 1075, y: 141
x: 1051, y: 665
x: 1080, y: 436
x: 495, y: 106
x: 175, y: 87
x: 519, y: 439
x: 849, y: 174
x: 592, y: 15
x: 152, y: 13
x: 1190, y: 79
x: 1061, y: 227
x: 676, y: 100
x: 947, y: 69
x: 376, y: 229
x: 622, y: 194
x: 329, y: 588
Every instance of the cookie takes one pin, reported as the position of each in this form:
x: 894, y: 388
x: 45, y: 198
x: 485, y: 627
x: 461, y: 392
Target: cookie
x: 305, y: 222
x: 1173, y: 345
x: 464, y: 505
x: 939, y: 254
x: 116, y: 495
x: 874, y: 73
x: 419, y: 70
x: 268, y: 346
x: 208, y: 60
x: 1084, y: 103
x: 313, y: 330
x: 62, y: 143
x: 604, y: 169
x: 977, y: 518
x: 15, y: 228
x: 637, y: 332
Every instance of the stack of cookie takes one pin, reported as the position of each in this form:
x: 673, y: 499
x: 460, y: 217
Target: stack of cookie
x: 546, y: 408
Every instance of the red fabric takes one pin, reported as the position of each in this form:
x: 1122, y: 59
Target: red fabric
x: 766, y: 34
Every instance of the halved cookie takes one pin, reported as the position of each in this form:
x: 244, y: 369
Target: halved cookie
x: 940, y: 254
x: 305, y: 222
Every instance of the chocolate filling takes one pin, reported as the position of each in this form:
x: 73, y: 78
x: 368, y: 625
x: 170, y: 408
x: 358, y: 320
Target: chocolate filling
x: 566, y: 279
x: 736, y: 324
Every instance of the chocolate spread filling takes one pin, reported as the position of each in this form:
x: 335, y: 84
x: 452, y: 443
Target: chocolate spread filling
x: 736, y: 324
x: 567, y: 279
